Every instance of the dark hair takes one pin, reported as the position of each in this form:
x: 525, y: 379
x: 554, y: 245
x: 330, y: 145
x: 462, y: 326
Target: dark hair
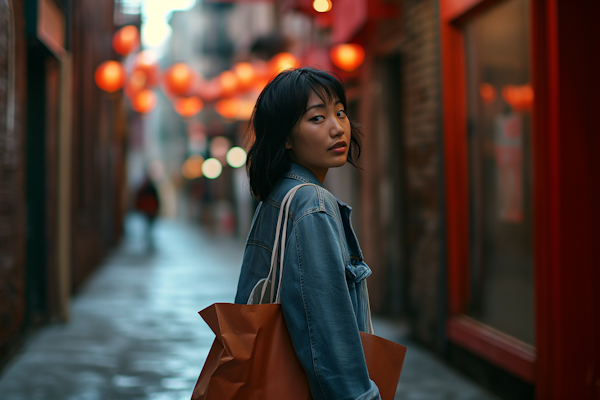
x: 278, y: 109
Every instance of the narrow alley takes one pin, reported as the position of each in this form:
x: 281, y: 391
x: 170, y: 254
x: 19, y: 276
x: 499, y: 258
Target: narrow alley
x: 135, y: 333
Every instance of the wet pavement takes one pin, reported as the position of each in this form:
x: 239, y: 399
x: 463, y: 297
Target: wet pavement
x: 135, y: 332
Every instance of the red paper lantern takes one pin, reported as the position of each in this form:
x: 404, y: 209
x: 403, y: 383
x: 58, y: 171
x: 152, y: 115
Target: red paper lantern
x: 228, y: 83
x: 144, y: 101
x: 135, y: 84
x: 147, y: 62
x: 126, y: 40
x: 282, y: 61
x: 487, y: 92
x: 520, y: 98
x: 179, y: 79
x: 228, y: 108
x: 245, y: 74
x: 347, y: 56
x: 209, y: 91
x: 188, y: 106
x: 110, y: 76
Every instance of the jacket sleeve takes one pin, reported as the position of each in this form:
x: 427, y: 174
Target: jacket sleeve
x: 319, y: 313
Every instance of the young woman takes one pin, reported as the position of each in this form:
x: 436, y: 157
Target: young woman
x: 301, y: 130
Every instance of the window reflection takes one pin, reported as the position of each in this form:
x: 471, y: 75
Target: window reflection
x: 500, y: 99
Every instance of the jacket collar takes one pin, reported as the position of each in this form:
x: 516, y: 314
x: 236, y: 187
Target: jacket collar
x: 302, y: 174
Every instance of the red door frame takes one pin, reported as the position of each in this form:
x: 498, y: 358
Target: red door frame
x: 566, y: 137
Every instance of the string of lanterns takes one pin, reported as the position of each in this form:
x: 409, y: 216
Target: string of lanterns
x: 233, y: 92
x: 188, y: 90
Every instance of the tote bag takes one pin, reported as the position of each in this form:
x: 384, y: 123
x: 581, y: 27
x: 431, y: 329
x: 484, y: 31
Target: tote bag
x: 252, y: 357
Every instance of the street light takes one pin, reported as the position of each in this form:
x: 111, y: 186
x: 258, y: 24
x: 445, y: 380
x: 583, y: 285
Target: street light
x: 322, y: 5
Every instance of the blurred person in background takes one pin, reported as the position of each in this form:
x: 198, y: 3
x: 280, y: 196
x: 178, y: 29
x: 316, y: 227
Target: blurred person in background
x: 301, y: 130
x: 147, y: 203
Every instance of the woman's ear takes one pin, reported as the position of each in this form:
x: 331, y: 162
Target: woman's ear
x: 288, y: 143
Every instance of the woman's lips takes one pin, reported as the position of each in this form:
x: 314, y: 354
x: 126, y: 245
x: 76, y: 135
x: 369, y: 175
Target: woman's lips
x: 339, y: 150
x: 339, y: 147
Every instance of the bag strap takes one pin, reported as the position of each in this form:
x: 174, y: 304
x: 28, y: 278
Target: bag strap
x: 285, y: 204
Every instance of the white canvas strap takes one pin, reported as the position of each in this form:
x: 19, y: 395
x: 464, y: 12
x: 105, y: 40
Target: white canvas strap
x: 285, y: 204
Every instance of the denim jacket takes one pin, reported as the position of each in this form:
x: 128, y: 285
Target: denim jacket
x: 323, y: 291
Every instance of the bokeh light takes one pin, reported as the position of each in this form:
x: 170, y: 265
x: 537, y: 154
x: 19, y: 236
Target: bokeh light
x: 126, y: 40
x: 219, y: 146
x: 348, y: 56
x: 228, y: 108
x: 236, y: 157
x: 282, y: 61
x: 487, y: 92
x: 192, y: 167
x: 179, y: 79
x: 144, y: 101
x: 110, y: 76
x: 322, y: 5
x: 188, y: 106
x: 245, y: 74
x: 211, y: 168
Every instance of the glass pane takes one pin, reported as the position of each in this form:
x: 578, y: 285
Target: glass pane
x: 500, y: 98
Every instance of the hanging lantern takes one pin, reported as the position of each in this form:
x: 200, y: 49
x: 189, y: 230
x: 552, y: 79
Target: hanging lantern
x: 147, y: 62
x: 179, y: 79
x: 188, y: 106
x: 126, y: 40
x: 228, y: 82
x: 487, y: 92
x: 245, y: 110
x: 136, y: 82
x: 110, y: 76
x: 244, y: 72
x: 520, y: 98
x: 282, y: 61
x: 322, y: 5
x: 209, y: 91
x: 348, y: 56
x: 144, y: 101
x: 228, y: 108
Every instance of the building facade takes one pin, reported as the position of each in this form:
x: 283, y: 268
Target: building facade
x: 475, y: 206
x: 62, y: 159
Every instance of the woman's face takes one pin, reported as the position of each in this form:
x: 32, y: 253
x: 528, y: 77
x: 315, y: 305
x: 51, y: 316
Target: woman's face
x: 321, y: 139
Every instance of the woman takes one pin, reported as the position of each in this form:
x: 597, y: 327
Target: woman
x: 301, y: 130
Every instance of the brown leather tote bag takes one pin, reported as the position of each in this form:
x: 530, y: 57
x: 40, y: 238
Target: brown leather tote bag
x: 252, y: 357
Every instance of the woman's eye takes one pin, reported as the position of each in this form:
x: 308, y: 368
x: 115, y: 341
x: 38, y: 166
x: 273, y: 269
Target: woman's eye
x: 341, y: 113
x: 318, y: 118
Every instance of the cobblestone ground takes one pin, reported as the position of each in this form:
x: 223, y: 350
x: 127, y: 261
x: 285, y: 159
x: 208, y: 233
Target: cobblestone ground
x: 135, y: 333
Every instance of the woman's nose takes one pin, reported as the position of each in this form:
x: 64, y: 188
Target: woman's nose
x: 336, y: 129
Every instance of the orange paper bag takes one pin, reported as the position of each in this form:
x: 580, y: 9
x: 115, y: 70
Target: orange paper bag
x: 252, y: 357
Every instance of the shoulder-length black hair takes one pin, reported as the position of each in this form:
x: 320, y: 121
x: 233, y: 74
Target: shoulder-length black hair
x: 278, y: 109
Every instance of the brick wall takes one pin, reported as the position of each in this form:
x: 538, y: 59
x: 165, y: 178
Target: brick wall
x: 402, y: 232
x: 422, y: 124
x: 12, y: 210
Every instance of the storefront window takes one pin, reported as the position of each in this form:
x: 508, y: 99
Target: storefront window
x: 500, y: 98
